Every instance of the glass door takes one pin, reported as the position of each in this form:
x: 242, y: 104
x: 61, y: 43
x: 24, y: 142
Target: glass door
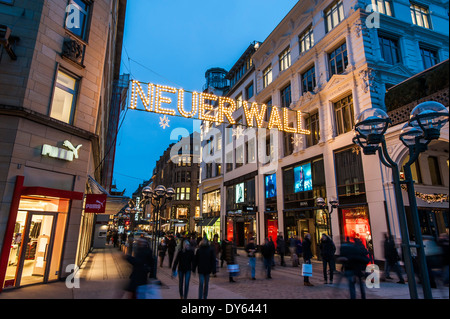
x: 36, y: 248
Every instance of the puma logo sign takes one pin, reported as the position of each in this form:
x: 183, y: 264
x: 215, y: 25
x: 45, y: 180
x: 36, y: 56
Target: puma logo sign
x: 72, y: 148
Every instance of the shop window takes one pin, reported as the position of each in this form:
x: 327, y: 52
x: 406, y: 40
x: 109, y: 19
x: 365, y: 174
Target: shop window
x: 356, y: 225
x: 64, y: 97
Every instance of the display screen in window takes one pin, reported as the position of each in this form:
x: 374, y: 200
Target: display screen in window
x: 302, y: 178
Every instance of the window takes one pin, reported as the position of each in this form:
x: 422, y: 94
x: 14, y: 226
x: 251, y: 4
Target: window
x: 344, y: 115
x: 312, y: 124
x: 239, y: 101
x: 306, y: 40
x: 309, y: 80
x: 429, y: 57
x: 286, y: 96
x: 435, y: 173
x: 349, y: 173
x: 77, y: 18
x: 229, y: 161
x: 267, y: 76
x: 183, y: 193
x: 420, y: 16
x: 268, y: 110
x: 415, y: 170
x: 239, y: 156
x: 64, y: 97
x: 285, y: 59
x: 249, y: 91
x: 382, y: 6
x: 334, y: 15
x: 288, y: 145
x: 389, y: 49
x: 338, y: 60
x: 250, y: 150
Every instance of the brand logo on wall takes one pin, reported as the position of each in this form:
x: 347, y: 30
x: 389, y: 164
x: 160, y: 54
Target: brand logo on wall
x: 95, y: 203
x: 56, y: 152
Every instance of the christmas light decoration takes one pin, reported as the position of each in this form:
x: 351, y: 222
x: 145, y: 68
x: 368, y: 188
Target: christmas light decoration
x: 210, y: 107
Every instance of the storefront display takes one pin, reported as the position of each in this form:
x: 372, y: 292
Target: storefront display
x: 356, y: 225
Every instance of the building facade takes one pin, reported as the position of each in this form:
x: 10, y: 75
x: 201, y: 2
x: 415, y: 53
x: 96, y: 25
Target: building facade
x: 59, y: 63
x: 330, y: 60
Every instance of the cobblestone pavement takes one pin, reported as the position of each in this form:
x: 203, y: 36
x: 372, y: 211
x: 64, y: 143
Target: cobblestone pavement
x: 105, y: 273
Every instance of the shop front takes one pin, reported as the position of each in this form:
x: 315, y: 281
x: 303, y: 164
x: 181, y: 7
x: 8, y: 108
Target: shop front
x: 209, y: 223
x: 241, y: 221
x: 303, y: 183
x: 35, y: 234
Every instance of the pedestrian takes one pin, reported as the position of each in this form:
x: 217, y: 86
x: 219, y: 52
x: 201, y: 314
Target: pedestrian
x: 230, y: 257
x: 162, y: 249
x: 251, y: 251
x: 184, y: 260
x: 267, y: 252
x: 392, y: 258
x: 115, y: 239
x: 171, y: 247
x: 271, y: 243
x: 327, y: 251
x: 205, y: 264
x: 355, y: 258
x: 307, y: 256
x: 143, y: 264
x: 281, y: 249
x: 217, y: 250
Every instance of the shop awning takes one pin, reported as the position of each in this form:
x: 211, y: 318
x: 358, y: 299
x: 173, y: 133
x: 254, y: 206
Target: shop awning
x: 209, y: 221
x: 212, y: 221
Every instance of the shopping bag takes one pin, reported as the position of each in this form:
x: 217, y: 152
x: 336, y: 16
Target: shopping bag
x: 307, y: 270
x: 150, y: 291
x: 233, y: 270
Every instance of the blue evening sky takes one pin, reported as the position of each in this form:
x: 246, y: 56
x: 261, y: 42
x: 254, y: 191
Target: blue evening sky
x: 174, y: 42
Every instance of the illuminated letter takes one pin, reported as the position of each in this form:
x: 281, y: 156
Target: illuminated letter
x: 275, y: 119
x: 181, y: 102
x: 202, y: 107
x: 254, y: 113
x: 147, y: 101
x: 299, y: 124
x: 161, y: 99
x: 228, y: 111
x: 287, y: 129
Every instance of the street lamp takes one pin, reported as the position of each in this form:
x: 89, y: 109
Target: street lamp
x: 424, y: 125
x: 322, y: 204
x: 158, y: 198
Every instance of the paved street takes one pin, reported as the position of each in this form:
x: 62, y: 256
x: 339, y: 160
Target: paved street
x: 105, y: 272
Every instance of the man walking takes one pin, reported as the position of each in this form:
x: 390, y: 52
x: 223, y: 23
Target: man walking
x: 267, y: 251
x: 205, y: 262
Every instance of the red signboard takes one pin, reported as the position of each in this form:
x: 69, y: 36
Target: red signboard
x: 95, y: 203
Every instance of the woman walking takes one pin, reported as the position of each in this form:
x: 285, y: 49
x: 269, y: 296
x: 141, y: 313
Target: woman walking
x: 184, y: 260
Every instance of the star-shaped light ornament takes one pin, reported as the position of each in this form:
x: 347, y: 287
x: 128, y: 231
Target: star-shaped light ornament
x: 297, y: 140
x: 164, y: 122
x: 238, y: 131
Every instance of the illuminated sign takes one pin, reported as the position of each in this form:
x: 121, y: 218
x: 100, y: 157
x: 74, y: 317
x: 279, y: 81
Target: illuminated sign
x: 158, y: 99
x: 60, y: 153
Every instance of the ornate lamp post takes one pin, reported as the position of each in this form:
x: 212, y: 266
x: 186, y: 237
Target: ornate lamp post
x: 322, y: 204
x: 424, y: 125
x: 158, y: 198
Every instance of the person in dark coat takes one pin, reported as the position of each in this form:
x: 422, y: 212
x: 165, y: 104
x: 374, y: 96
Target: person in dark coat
x: 355, y: 259
x: 251, y: 250
x: 171, y: 247
x: 281, y: 248
x: 327, y: 251
x: 143, y: 264
x: 267, y: 252
x: 205, y: 264
x: 184, y: 260
x: 229, y: 256
x: 392, y: 258
x: 217, y: 250
x: 223, y: 252
x: 307, y: 256
x: 162, y: 249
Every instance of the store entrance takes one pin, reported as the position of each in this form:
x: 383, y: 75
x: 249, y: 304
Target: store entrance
x: 36, y: 248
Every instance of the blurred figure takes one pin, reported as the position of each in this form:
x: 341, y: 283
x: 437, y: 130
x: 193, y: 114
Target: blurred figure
x: 355, y: 258
x: 223, y: 252
x: 271, y: 243
x: 143, y: 264
x: 217, y: 250
x: 171, y: 247
x: 443, y: 243
x: 184, y: 260
x: 281, y: 248
x: 229, y: 256
x: 162, y: 249
x: 327, y: 251
x: 307, y: 255
x: 267, y: 252
x: 392, y: 258
x: 205, y: 263
x: 433, y: 253
x: 251, y: 250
